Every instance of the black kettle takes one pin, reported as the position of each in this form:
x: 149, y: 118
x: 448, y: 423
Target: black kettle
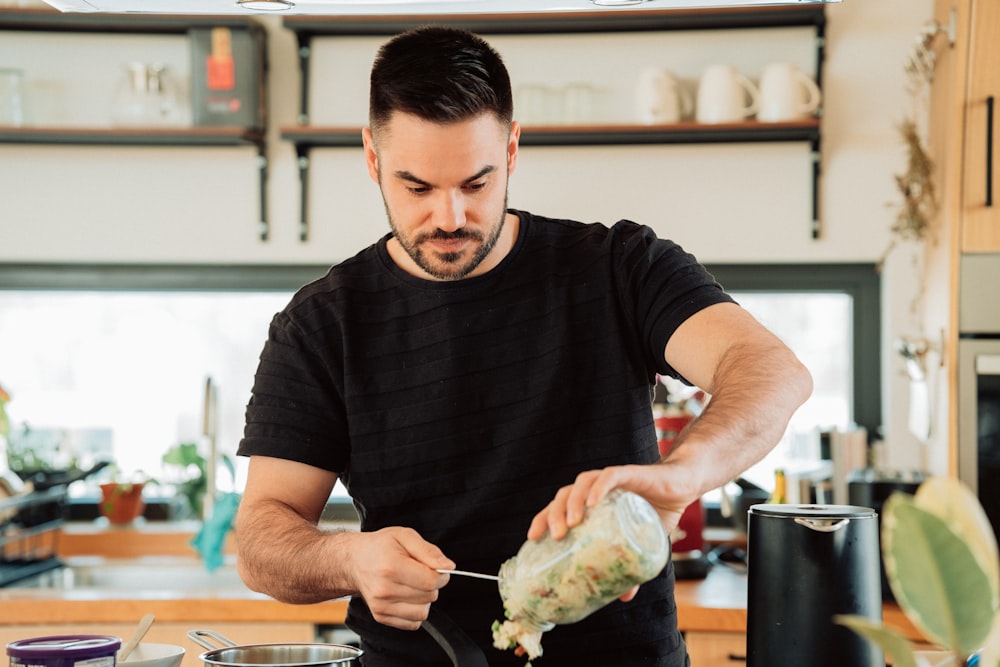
x: 807, y: 563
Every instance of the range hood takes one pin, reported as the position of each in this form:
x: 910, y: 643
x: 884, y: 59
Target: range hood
x: 398, y: 7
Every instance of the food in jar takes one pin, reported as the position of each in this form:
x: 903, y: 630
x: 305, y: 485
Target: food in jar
x: 620, y: 544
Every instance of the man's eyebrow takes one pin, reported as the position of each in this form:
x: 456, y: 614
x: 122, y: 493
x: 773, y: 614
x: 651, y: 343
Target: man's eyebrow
x: 407, y: 176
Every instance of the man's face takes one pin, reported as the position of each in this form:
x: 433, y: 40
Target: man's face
x: 445, y: 192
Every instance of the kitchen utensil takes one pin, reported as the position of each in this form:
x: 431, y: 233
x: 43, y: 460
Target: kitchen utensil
x: 807, y: 563
x: 225, y: 653
x: 786, y: 93
x: 461, y: 650
x: 140, y: 631
x: 725, y: 95
x: 145, y: 97
x: 155, y: 655
x: 659, y: 98
x: 47, y: 479
x: 477, y: 575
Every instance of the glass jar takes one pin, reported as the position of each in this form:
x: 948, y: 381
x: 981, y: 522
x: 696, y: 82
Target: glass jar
x: 620, y: 544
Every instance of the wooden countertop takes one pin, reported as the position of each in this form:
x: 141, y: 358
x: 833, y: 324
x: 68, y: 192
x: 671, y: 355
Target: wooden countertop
x: 714, y: 604
x: 718, y: 603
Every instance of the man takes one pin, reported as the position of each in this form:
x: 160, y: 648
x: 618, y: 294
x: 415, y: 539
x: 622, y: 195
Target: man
x: 482, y: 375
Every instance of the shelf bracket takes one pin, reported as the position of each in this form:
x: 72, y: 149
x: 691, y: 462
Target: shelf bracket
x: 264, y: 226
x: 302, y: 161
x: 816, y: 160
x: 305, y: 57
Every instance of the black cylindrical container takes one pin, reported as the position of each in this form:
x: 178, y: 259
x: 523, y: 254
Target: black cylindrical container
x: 806, y: 564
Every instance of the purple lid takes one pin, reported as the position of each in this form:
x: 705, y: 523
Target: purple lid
x: 71, y: 647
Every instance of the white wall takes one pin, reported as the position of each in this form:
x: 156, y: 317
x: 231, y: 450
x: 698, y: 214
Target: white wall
x: 725, y: 203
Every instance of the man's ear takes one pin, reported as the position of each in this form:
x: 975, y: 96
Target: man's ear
x: 512, y: 145
x: 371, y: 157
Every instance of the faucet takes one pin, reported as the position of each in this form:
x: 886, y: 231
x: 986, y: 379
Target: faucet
x: 209, y: 430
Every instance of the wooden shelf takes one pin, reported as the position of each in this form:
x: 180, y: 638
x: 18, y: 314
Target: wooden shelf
x: 47, y: 19
x: 133, y: 136
x: 596, y: 135
x: 306, y: 28
x: 567, y: 22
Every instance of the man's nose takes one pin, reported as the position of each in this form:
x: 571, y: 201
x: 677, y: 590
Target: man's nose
x: 451, y: 212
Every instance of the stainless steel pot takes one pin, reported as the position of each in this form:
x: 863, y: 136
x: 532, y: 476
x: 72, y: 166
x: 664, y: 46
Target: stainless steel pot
x: 225, y: 653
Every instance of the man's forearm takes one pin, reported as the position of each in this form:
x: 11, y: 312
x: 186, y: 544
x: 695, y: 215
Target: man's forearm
x: 284, y: 556
x: 747, y: 415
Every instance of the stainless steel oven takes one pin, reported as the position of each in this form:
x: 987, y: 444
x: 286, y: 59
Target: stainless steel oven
x: 979, y: 381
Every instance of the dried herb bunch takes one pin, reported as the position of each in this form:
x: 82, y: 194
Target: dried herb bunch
x: 916, y: 185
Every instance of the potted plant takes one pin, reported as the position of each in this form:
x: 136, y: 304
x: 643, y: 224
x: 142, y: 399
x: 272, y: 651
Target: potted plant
x: 122, y: 502
x: 940, y: 556
x: 193, y: 468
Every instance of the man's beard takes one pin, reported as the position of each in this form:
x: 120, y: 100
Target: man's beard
x: 445, y: 266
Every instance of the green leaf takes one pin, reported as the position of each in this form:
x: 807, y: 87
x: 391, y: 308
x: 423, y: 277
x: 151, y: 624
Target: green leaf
x: 185, y: 454
x: 889, y: 640
x: 935, y: 577
x: 956, y: 505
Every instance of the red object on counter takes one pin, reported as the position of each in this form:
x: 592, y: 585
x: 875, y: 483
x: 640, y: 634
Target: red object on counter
x: 688, y: 537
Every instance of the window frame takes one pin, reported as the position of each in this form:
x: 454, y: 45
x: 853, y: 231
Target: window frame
x: 862, y: 282
x: 859, y: 280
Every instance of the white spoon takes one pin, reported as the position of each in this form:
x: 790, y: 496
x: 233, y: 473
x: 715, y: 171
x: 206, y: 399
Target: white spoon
x: 136, y: 637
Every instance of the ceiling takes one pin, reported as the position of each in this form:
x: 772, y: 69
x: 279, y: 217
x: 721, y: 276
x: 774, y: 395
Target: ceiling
x: 396, y: 7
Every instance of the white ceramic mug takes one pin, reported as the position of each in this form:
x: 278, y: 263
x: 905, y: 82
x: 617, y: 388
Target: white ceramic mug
x: 725, y: 95
x: 786, y: 93
x: 659, y: 98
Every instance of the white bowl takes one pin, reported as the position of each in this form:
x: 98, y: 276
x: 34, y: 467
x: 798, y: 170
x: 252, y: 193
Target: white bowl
x: 155, y: 655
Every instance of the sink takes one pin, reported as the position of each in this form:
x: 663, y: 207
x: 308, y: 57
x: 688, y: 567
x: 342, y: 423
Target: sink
x: 143, y: 574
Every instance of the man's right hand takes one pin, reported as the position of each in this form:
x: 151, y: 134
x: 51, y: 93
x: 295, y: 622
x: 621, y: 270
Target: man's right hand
x: 395, y: 571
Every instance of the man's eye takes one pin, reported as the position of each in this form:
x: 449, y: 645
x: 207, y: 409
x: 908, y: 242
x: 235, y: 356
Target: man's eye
x: 475, y: 187
x: 418, y: 189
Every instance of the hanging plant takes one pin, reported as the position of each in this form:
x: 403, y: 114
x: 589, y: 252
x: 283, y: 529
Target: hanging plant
x: 916, y: 185
x: 918, y: 206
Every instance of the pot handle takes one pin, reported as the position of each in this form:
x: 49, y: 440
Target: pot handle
x: 462, y: 651
x: 199, y: 638
x: 822, y: 525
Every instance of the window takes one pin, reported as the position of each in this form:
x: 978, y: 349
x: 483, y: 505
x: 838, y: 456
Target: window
x: 829, y: 315
x: 113, y: 360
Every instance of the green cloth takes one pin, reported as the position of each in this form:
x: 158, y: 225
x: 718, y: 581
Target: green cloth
x: 211, y: 539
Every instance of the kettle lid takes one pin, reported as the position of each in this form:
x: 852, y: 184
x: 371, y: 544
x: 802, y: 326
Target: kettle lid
x: 813, y: 511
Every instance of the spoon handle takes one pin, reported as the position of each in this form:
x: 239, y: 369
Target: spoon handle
x: 136, y: 637
x: 477, y: 575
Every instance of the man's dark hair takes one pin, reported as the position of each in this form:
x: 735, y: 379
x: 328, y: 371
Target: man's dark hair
x: 438, y: 74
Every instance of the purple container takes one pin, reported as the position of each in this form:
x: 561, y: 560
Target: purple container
x: 65, y: 651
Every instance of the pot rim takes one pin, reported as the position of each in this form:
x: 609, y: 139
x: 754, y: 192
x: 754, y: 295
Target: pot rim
x: 209, y: 657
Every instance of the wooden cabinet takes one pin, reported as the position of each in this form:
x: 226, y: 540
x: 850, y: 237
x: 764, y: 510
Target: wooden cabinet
x: 716, y: 649
x: 981, y: 182
x: 962, y: 142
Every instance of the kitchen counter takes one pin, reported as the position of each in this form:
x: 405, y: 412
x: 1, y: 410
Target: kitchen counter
x: 718, y: 603
x: 714, y: 604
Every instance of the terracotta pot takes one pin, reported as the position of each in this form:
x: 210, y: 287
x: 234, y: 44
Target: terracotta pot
x: 122, y: 503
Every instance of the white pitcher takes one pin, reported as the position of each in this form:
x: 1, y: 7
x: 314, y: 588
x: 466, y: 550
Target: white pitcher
x: 725, y: 95
x: 786, y: 93
x: 659, y: 98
